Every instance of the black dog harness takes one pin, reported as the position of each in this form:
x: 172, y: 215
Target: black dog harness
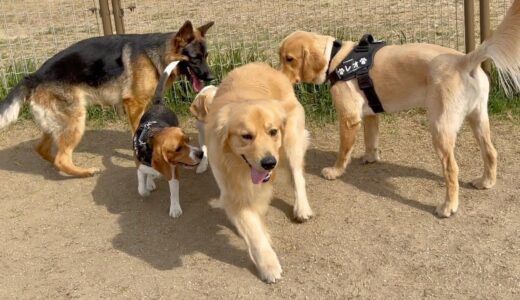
x: 142, y: 141
x: 356, y: 65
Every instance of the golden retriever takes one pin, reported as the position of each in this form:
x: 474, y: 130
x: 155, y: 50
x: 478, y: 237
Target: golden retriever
x: 449, y: 84
x: 254, y: 125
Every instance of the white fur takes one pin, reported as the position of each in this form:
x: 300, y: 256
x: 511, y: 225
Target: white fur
x: 11, y: 113
x: 175, y: 207
x: 170, y: 67
x: 145, y: 177
x: 203, y: 165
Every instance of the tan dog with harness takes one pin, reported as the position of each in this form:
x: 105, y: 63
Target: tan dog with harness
x: 450, y: 85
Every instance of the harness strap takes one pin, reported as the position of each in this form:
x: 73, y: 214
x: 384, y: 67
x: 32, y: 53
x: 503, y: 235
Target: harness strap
x: 356, y: 65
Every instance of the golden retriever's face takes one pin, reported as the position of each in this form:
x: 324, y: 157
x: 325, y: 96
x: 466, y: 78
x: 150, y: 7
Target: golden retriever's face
x: 254, y: 133
x: 302, y: 60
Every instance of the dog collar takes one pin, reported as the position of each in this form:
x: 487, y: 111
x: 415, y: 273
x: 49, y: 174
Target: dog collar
x: 336, y: 45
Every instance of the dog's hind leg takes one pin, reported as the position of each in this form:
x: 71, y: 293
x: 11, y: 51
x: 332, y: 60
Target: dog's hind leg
x: 295, y: 145
x: 45, y: 146
x: 444, y: 125
x: 67, y: 140
x: 371, y: 134
x: 479, y: 122
x: 134, y: 109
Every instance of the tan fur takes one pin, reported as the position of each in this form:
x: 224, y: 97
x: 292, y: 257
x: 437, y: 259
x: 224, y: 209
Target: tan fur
x: 450, y: 85
x: 200, y: 106
x: 254, y: 99
x: 60, y: 108
x: 170, y: 147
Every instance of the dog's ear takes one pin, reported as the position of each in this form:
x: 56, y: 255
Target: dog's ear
x: 199, y: 107
x: 160, y: 160
x: 221, y: 126
x: 313, y: 63
x: 202, y: 29
x: 185, y: 33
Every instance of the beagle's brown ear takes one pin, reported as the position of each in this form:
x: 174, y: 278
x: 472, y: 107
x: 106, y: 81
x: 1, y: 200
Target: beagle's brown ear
x: 313, y: 64
x: 160, y: 162
x: 185, y: 34
x: 202, y: 29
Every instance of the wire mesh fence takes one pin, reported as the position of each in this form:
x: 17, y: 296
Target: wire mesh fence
x: 31, y: 31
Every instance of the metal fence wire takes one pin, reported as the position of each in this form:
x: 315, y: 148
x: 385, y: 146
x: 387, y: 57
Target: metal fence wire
x: 31, y: 31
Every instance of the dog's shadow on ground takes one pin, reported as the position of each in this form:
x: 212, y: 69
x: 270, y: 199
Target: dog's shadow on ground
x: 372, y: 178
x: 148, y: 232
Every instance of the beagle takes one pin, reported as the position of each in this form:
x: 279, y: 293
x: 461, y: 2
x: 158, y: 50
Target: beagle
x: 161, y: 147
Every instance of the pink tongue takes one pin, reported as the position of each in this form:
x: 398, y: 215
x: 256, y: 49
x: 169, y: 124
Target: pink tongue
x: 196, y: 84
x: 257, y: 176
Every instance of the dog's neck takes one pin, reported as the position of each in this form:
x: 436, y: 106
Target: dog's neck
x: 331, y: 49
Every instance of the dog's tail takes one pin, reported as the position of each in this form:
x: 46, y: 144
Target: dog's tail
x: 504, y: 49
x: 10, y: 106
x: 159, y: 90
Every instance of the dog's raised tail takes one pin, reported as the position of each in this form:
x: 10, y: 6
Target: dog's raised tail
x: 159, y: 90
x: 10, y: 106
x: 504, y: 49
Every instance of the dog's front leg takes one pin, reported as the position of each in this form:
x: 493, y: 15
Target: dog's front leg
x: 371, y: 134
x: 141, y: 183
x: 250, y: 227
x: 203, y: 165
x: 348, y: 104
x: 175, y: 206
x: 348, y: 128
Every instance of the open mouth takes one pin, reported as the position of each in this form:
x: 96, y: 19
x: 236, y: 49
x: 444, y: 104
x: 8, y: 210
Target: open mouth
x: 196, y: 83
x: 258, y: 176
x: 187, y: 166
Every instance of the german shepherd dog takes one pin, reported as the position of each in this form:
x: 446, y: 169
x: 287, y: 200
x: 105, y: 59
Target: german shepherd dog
x: 103, y: 70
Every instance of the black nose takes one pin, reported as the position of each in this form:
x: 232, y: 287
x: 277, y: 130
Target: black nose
x: 268, y: 162
x: 199, y: 154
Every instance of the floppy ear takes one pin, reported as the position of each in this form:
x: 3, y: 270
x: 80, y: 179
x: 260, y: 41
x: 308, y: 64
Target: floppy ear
x: 205, y: 28
x: 185, y: 33
x: 160, y: 162
x: 199, y: 107
x: 221, y: 126
x: 313, y: 63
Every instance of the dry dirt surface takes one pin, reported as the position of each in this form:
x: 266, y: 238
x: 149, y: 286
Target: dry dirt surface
x: 374, y: 235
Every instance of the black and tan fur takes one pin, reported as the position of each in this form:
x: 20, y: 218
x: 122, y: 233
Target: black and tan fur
x: 102, y: 70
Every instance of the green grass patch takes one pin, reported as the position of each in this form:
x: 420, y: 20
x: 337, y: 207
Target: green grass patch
x: 316, y: 99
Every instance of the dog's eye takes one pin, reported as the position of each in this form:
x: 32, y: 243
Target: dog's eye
x: 178, y: 149
x: 273, y: 132
x: 247, y: 136
x: 289, y: 58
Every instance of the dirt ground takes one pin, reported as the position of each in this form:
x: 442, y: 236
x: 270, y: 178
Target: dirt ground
x: 374, y: 235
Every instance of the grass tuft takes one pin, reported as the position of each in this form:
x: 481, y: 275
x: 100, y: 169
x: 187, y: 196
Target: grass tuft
x: 316, y: 99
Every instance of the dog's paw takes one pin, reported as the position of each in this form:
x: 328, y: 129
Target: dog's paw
x: 150, y: 184
x: 302, y: 214
x: 203, y: 165
x: 175, y: 211
x: 143, y: 192
x: 483, y: 183
x: 446, y: 209
x: 270, y: 270
x: 90, y: 172
x: 331, y: 173
x: 371, y: 157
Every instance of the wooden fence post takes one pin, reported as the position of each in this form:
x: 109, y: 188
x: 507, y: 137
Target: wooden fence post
x: 104, y: 11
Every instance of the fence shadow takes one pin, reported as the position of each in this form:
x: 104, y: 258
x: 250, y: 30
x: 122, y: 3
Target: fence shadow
x: 372, y: 178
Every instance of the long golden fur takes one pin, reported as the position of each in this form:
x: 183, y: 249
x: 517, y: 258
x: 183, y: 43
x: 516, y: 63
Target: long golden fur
x: 254, y: 115
x: 450, y: 85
